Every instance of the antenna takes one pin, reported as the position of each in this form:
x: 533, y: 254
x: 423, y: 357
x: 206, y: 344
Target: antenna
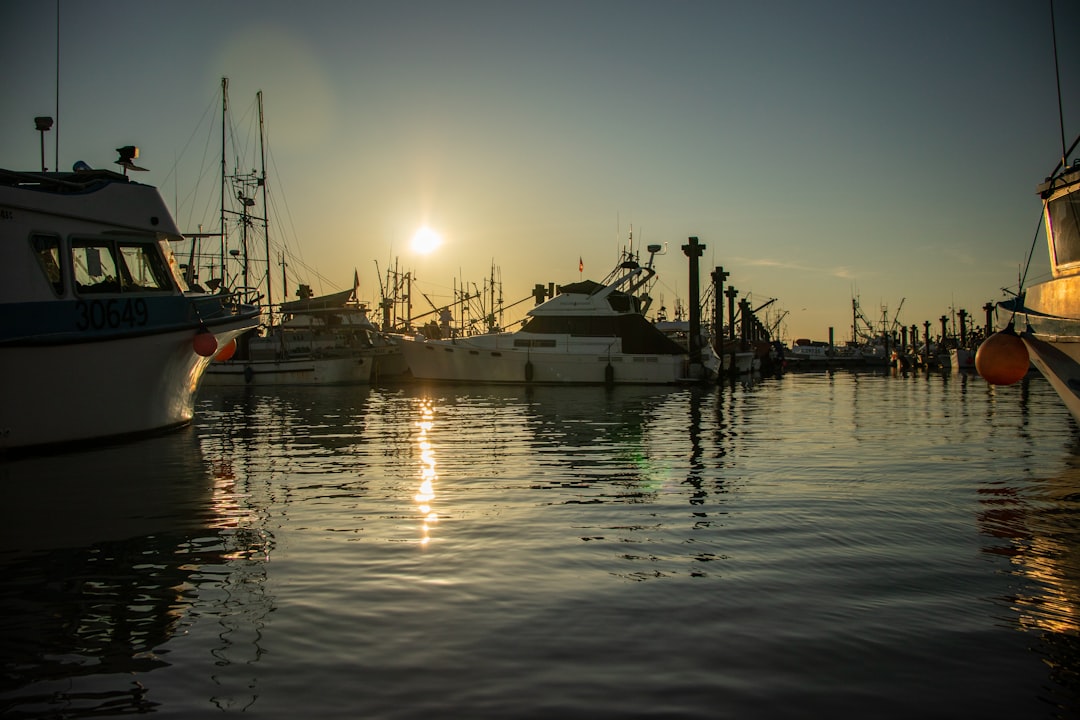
x: 56, y: 138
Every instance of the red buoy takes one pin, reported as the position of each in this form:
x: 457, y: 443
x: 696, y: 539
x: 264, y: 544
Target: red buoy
x: 227, y: 351
x: 1002, y: 359
x: 205, y: 343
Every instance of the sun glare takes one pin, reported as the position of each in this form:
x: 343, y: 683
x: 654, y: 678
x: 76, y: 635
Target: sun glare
x: 425, y: 241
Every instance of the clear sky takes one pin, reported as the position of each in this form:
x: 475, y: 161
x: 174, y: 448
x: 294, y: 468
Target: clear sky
x: 821, y: 150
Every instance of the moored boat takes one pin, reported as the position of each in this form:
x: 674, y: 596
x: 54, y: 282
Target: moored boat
x: 1048, y: 313
x: 587, y: 333
x: 326, y: 340
x: 99, y: 334
x: 961, y: 358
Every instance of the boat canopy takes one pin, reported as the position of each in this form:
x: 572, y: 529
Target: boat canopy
x: 584, y: 287
x: 336, y: 301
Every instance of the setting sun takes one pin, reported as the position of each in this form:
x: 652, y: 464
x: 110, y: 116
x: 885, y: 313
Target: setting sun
x: 425, y: 241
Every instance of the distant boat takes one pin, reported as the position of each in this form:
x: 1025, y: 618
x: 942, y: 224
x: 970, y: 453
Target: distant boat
x: 961, y: 358
x: 588, y: 333
x: 679, y: 331
x: 100, y: 336
x: 325, y: 340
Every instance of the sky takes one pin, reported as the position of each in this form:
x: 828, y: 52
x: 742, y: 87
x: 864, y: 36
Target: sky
x: 822, y: 151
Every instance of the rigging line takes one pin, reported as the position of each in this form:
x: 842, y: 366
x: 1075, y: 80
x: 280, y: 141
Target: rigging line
x: 56, y: 135
x: 1031, y: 252
x: 215, y: 102
x: 1057, y: 77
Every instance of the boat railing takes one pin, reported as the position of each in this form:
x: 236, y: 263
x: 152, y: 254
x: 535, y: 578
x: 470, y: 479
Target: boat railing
x: 216, y: 305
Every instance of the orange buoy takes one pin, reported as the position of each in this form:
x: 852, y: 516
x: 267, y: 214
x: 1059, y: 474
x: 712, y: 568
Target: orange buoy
x: 205, y: 343
x: 227, y: 351
x: 1002, y: 359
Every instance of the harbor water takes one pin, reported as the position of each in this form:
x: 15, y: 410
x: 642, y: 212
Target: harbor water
x: 814, y: 545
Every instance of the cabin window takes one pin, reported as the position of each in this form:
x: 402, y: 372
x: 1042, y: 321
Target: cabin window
x: 105, y: 266
x: 174, y: 267
x: 95, y: 267
x: 1063, y: 218
x: 47, y: 250
x: 143, y: 268
x: 620, y: 302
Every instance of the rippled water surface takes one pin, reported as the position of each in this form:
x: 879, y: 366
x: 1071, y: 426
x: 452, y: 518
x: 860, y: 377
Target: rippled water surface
x: 806, y: 546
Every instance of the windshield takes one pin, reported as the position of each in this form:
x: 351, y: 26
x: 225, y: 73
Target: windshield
x: 1063, y: 225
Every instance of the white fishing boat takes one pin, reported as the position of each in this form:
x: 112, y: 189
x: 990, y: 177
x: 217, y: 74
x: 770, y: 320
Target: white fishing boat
x: 326, y: 340
x: 99, y: 334
x: 1048, y: 313
x: 587, y: 333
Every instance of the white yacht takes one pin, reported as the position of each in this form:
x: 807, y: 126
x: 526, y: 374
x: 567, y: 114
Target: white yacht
x: 588, y: 332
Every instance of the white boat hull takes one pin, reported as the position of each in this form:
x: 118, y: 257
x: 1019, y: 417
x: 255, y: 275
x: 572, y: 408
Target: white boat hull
x: 743, y: 362
x: 1059, y: 362
x: 348, y: 370
x: 961, y: 359
x: 462, y: 361
x: 73, y: 392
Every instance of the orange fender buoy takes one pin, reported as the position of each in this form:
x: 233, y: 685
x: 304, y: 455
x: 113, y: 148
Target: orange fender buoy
x: 204, y: 342
x: 1002, y: 359
x: 227, y: 351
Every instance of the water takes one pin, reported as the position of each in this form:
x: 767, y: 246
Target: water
x: 808, y: 546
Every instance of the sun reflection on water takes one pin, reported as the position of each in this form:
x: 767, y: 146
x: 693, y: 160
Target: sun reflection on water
x: 426, y: 493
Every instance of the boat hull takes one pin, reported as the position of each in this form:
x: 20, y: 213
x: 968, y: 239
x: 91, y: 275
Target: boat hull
x: 1050, y: 318
x: 462, y: 361
x: 1059, y: 362
x: 347, y: 370
x: 961, y: 359
x: 61, y: 393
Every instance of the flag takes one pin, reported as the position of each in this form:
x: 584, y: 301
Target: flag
x: 580, y: 264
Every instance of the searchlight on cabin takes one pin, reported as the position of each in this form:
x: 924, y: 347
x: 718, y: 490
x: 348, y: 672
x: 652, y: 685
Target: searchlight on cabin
x: 127, y: 154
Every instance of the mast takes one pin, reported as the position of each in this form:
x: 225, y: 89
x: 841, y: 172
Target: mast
x: 266, y: 214
x: 224, y: 117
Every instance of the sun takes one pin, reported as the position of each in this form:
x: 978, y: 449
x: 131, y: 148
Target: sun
x: 425, y: 241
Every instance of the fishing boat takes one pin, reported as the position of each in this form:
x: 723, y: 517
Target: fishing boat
x: 100, y: 336
x: 1047, y: 313
x: 588, y: 332
x: 325, y: 340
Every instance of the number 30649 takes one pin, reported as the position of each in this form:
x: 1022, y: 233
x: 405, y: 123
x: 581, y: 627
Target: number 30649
x: 101, y: 314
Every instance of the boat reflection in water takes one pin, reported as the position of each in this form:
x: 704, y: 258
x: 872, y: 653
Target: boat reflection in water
x: 367, y: 552
x: 103, y: 555
x: 1035, y: 528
